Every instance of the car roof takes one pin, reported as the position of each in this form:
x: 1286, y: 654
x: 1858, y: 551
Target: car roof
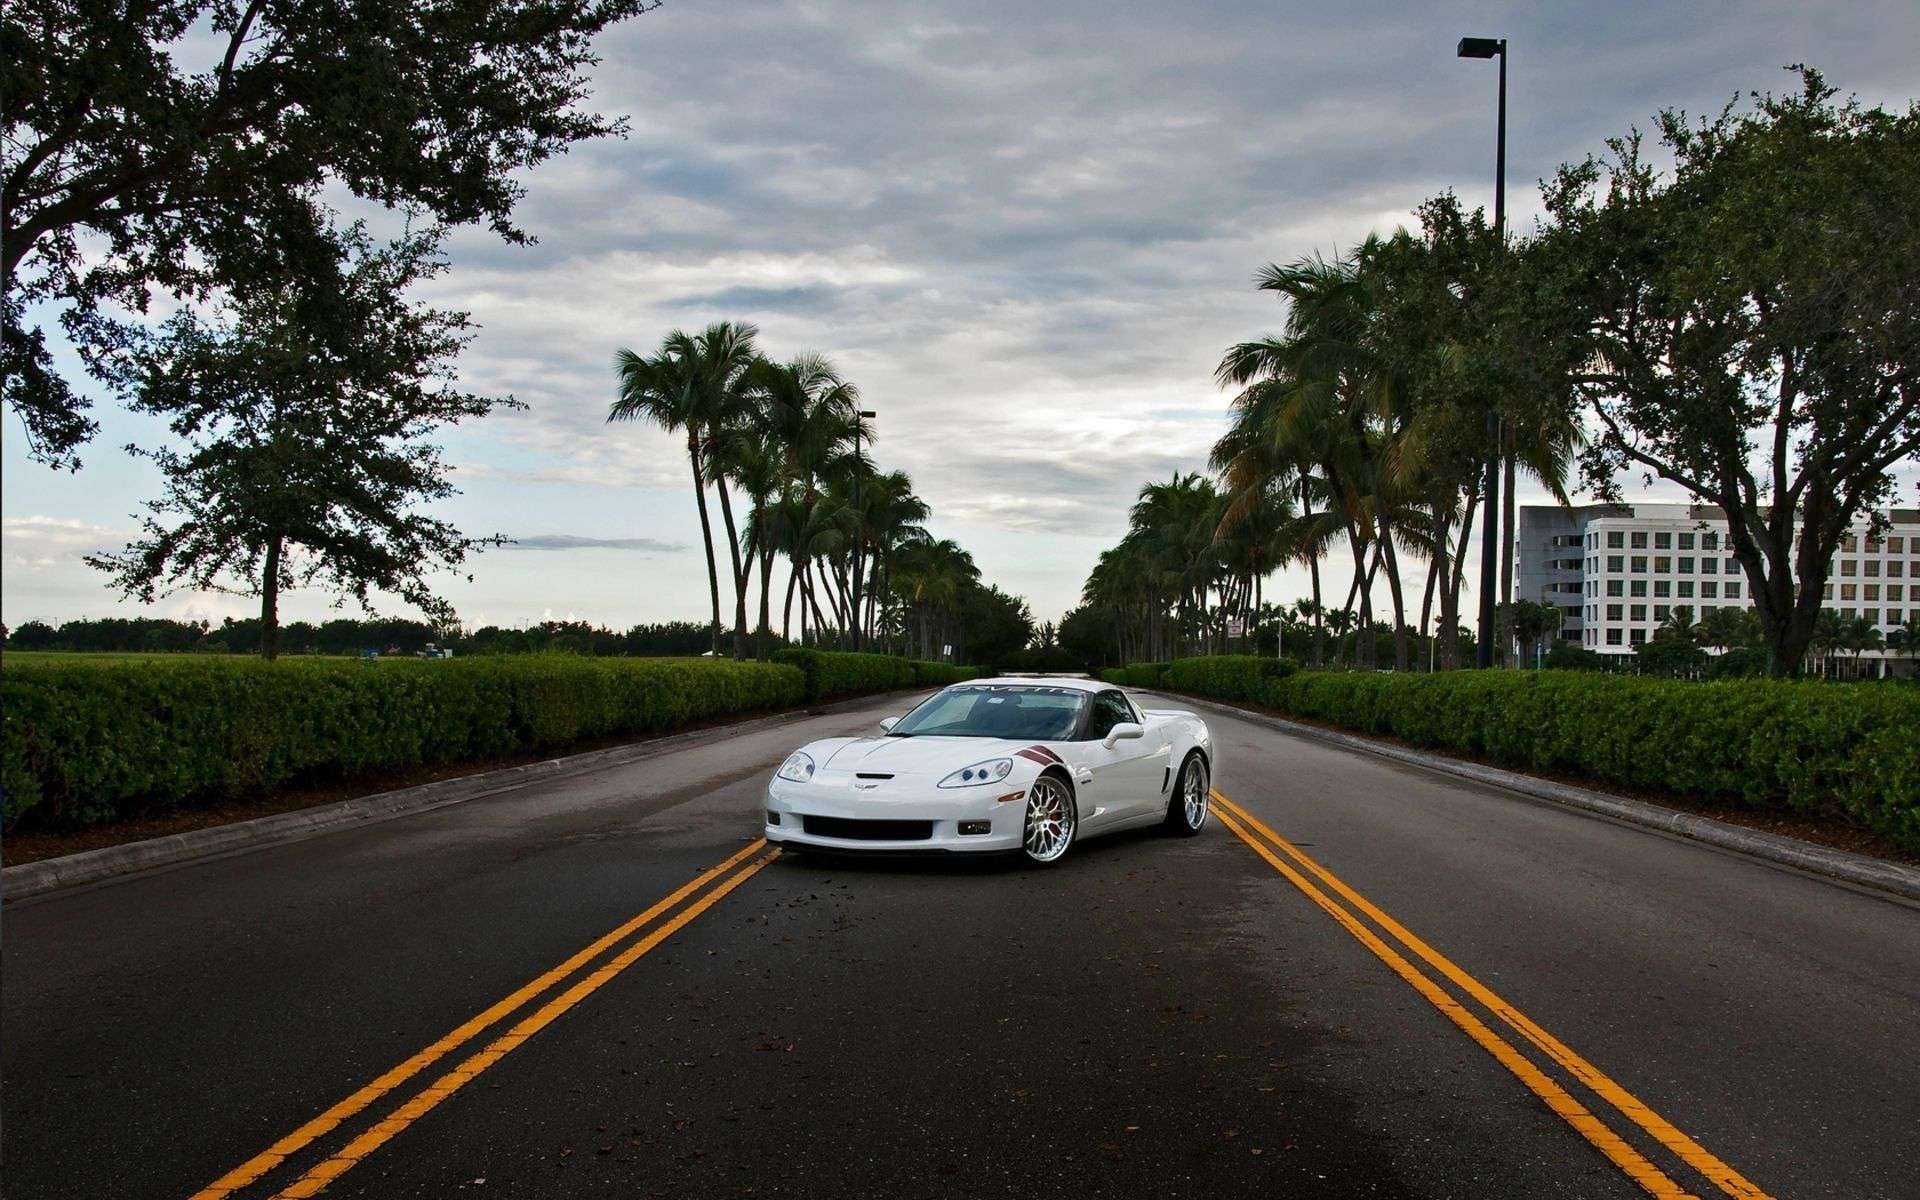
x: 1074, y: 683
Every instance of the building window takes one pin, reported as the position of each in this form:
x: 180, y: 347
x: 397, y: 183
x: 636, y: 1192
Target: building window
x: 1709, y: 566
x: 1662, y: 588
x: 1849, y: 567
x: 1663, y: 541
x: 1613, y: 637
x: 1848, y: 613
x: 1733, y: 566
x: 1873, y: 568
x: 1850, y: 544
x: 1662, y: 565
x: 1894, y: 570
x: 1636, y: 612
x: 1615, y: 539
x: 1660, y: 612
x: 1638, y: 637
x: 1639, y: 587
x: 1826, y: 593
x: 1894, y: 591
x: 1896, y: 544
x: 1733, y: 590
x: 1639, y: 564
x: 1614, y: 612
x: 1686, y: 564
x: 1616, y: 587
x: 1710, y: 540
x: 1639, y: 539
x: 1872, y: 592
x: 1709, y: 590
x: 1686, y: 589
x: 1849, y: 591
x: 1872, y: 615
x: 1686, y: 541
x: 1616, y: 562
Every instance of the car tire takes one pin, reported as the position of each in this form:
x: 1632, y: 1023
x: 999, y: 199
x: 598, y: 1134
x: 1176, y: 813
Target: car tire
x: 1052, y: 820
x: 1187, y: 806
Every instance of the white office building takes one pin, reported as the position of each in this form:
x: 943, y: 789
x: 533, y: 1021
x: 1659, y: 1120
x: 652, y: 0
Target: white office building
x: 1616, y: 571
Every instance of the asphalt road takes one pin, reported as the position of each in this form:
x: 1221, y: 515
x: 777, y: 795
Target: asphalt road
x: 1153, y: 1018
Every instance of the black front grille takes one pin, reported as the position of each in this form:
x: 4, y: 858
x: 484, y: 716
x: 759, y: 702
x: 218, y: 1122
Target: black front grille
x: 868, y: 831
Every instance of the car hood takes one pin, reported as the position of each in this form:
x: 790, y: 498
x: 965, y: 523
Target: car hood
x: 916, y: 756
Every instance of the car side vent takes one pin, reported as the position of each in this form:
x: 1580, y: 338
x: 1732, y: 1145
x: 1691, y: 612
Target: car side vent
x: 873, y: 775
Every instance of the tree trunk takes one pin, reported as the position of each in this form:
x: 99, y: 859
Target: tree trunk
x: 766, y: 612
x: 786, y: 618
x: 1392, y: 560
x: 270, y: 601
x: 1507, y: 510
x: 739, y: 575
x: 706, y: 532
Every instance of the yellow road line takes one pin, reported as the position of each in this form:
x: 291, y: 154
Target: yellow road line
x: 316, y: 1180
x: 1631, y: 1161
x: 331, y: 1119
x: 1632, y: 1107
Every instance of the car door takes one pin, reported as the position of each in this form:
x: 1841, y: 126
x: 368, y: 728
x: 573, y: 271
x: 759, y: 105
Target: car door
x: 1126, y: 775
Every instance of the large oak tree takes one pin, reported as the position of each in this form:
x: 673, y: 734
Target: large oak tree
x: 1751, y: 321
x: 303, y: 410
x: 176, y: 146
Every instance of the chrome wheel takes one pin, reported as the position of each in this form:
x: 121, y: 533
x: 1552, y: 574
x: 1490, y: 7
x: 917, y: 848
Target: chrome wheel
x: 1187, y: 806
x: 1193, y: 793
x: 1050, y: 819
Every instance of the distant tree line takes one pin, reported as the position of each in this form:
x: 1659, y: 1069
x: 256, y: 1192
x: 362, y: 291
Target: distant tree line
x: 349, y: 636
x: 990, y: 628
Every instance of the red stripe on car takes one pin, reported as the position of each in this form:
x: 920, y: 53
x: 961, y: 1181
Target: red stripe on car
x: 1040, y: 754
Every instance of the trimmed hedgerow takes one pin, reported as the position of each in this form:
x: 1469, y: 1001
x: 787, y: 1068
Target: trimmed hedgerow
x: 831, y: 674
x: 87, y: 741
x: 1137, y: 675
x: 1850, y: 751
x: 1243, y: 677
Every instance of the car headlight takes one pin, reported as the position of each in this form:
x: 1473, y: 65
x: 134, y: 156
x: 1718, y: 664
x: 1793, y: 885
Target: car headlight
x: 797, y: 769
x: 991, y: 771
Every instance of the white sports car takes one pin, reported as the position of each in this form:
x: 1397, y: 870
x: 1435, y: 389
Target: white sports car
x: 1024, y: 765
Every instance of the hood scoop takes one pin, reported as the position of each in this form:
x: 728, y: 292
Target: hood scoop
x: 873, y: 774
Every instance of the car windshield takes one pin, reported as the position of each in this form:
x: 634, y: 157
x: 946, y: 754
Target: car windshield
x: 1033, y: 713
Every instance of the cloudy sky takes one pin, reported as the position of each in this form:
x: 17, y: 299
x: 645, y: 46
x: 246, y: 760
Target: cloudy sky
x: 1027, y: 231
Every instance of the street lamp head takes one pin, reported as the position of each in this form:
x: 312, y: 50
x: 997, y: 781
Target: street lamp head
x: 1481, y: 47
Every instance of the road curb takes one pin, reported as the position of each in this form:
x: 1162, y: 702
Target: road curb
x: 175, y: 849
x: 1857, y: 869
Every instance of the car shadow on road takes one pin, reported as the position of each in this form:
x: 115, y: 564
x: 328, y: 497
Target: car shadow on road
x: 951, y: 865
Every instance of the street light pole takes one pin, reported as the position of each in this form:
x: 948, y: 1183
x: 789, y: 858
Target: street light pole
x: 860, y: 523
x: 1490, y: 522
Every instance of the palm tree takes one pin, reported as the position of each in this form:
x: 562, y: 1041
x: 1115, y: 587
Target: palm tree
x: 665, y: 389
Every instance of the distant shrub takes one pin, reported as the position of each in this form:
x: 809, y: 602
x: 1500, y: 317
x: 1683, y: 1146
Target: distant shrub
x: 1146, y: 675
x: 831, y: 674
x: 1846, y: 750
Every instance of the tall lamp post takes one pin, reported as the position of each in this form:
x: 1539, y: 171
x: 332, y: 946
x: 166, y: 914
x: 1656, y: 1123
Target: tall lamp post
x: 1472, y: 47
x: 860, y: 521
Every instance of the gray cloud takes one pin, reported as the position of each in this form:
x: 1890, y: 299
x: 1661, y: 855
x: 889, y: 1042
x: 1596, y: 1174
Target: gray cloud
x: 567, y: 541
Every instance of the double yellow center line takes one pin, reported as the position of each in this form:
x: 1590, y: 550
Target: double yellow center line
x: 1297, y: 866
x: 707, y: 889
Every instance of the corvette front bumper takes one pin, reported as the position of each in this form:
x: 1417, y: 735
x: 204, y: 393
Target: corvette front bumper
x: 832, y: 817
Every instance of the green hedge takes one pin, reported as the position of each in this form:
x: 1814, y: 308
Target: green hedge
x: 1137, y: 675
x: 831, y: 674
x: 86, y: 741
x: 1843, y: 750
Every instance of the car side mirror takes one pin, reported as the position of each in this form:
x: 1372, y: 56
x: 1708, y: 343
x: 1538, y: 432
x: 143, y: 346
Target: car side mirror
x: 1122, y: 732
x: 887, y: 724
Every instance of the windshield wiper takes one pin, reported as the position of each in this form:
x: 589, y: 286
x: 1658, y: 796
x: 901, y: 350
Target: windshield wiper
x: 895, y: 733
